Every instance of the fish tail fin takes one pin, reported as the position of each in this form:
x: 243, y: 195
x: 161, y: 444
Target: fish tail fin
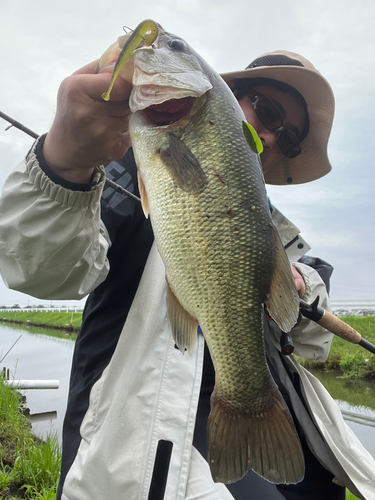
x: 266, y: 440
x: 283, y: 301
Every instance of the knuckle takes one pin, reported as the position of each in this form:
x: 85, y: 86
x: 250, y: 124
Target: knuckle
x: 83, y: 118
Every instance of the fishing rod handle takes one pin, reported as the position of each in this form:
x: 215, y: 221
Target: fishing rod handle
x: 339, y: 328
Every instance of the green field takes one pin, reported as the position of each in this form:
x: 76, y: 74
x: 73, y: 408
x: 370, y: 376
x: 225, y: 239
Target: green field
x: 351, y: 360
x: 61, y: 320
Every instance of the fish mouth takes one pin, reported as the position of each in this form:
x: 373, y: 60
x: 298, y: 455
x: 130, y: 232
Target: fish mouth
x: 169, y: 111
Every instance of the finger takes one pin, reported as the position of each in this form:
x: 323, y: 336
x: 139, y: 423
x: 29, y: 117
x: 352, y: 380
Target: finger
x: 299, y: 281
x: 112, y: 147
x: 94, y: 85
x: 121, y: 89
x: 115, y: 109
x: 117, y: 125
x: 88, y: 69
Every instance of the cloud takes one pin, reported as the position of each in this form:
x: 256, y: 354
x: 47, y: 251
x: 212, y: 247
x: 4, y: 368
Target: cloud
x: 43, y: 42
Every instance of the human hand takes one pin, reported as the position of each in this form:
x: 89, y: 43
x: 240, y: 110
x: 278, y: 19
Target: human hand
x: 300, y: 284
x: 87, y: 131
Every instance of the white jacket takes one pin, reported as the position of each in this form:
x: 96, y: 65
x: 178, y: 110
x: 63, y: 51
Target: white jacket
x: 53, y: 245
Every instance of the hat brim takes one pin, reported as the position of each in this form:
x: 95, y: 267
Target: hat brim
x: 313, y: 161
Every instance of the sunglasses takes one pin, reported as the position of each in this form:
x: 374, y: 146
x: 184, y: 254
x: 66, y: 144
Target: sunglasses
x: 270, y: 117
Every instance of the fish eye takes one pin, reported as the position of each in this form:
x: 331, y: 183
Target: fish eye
x: 177, y: 44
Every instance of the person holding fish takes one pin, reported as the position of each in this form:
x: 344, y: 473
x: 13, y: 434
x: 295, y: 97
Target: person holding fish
x: 138, y: 410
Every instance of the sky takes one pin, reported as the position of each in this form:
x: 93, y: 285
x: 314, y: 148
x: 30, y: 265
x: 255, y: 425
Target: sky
x: 43, y: 42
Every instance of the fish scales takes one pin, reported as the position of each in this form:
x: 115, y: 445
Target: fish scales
x: 203, y: 187
x: 226, y: 272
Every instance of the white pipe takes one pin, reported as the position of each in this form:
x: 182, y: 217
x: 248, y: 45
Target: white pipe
x: 34, y: 384
x: 42, y: 417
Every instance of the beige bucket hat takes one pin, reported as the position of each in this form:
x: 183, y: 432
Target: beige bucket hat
x: 298, y: 72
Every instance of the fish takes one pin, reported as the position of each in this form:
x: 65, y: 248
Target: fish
x: 202, y: 186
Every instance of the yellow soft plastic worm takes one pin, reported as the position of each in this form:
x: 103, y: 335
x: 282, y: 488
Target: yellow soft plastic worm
x: 252, y: 138
x: 131, y: 44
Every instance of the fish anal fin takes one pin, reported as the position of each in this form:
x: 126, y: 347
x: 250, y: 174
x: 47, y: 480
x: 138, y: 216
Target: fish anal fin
x: 183, y: 166
x: 266, y: 441
x: 283, y: 301
x: 143, y: 195
x: 184, y: 326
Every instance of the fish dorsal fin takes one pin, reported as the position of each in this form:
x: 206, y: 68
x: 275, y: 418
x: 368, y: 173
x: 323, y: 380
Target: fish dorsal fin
x: 283, y: 300
x: 184, y: 326
x: 183, y: 166
x: 143, y: 194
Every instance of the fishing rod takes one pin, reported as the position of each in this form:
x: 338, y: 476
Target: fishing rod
x: 15, y: 123
x: 330, y: 322
x: 311, y: 311
x: 108, y: 182
x: 334, y: 324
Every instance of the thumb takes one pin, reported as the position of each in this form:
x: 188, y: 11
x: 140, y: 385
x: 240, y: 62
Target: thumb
x: 97, y: 83
x: 94, y: 85
x: 88, y: 69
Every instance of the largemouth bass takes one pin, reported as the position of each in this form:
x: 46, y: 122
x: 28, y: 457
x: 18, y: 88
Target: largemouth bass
x: 203, y: 187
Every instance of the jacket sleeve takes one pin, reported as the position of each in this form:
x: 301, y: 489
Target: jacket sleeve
x: 310, y: 340
x: 52, y: 242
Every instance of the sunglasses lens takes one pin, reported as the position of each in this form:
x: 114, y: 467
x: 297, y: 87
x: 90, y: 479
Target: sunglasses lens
x: 268, y: 114
x: 289, y: 144
x: 270, y: 117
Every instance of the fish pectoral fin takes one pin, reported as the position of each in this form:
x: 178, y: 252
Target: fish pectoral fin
x: 183, y: 166
x: 143, y: 194
x: 184, y: 326
x: 265, y: 439
x: 283, y: 300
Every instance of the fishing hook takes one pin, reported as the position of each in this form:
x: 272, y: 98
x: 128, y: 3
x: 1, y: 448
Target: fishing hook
x: 147, y: 31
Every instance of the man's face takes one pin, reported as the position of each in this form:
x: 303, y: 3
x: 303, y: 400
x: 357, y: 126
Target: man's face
x: 293, y: 116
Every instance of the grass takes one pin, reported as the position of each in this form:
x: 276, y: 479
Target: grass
x: 61, y: 320
x: 350, y: 496
x: 352, y: 361
x: 29, y: 467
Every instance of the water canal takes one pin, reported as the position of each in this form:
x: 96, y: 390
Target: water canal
x: 39, y: 354
x: 46, y: 354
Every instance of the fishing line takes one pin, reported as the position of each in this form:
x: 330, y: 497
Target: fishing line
x: 2, y: 359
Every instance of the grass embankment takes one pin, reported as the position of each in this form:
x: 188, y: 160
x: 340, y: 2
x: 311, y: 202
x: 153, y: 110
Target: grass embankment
x: 60, y: 320
x: 29, y: 467
x: 351, y: 360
